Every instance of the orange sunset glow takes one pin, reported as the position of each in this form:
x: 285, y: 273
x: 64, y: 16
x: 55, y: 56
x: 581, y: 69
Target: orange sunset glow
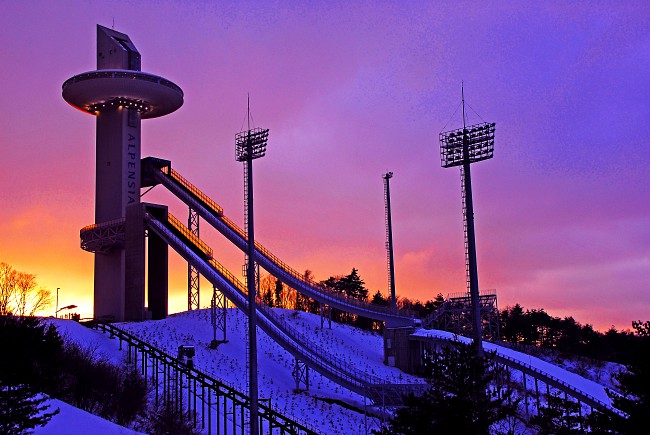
x: 350, y: 91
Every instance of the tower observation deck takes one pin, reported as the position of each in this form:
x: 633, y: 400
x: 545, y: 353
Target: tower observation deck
x: 120, y: 95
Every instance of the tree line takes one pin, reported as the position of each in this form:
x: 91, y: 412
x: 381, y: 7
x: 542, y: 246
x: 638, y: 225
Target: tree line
x: 535, y: 327
x: 525, y: 327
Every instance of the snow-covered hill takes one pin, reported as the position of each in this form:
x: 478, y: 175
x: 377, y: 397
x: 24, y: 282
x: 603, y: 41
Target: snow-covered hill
x: 326, y: 407
x: 363, y: 350
x: 74, y: 421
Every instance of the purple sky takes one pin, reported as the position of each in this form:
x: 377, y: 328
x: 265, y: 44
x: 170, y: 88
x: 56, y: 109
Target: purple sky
x: 350, y: 90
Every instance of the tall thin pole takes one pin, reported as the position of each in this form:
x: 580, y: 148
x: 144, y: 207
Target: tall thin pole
x: 250, y: 145
x: 471, y: 242
x: 250, y: 280
x: 389, y: 242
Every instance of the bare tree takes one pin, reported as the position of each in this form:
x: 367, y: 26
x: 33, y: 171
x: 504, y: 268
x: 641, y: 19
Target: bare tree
x: 25, y: 286
x: 7, y: 287
x: 20, y: 293
x: 266, y: 286
x: 39, y: 301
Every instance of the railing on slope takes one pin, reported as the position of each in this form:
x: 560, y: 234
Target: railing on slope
x: 315, y: 289
x: 557, y: 383
x: 297, y: 343
x: 237, y: 295
x: 436, y: 314
x: 192, y: 189
x: 193, y: 238
x: 459, y: 301
x: 540, y: 375
x: 275, y: 419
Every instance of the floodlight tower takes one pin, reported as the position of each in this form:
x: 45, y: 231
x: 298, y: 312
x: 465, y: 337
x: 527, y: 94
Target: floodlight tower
x: 249, y: 145
x: 389, y: 240
x: 119, y: 95
x: 462, y: 147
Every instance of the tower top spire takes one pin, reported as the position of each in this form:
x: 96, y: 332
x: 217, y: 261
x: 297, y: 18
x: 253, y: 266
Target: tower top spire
x: 462, y: 96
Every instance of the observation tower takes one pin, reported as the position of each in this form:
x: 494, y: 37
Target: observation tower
x: 120, y: 95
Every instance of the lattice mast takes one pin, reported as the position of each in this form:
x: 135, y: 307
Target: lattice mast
x: 389, y: 240
x: 193, y: 277
x: 218, y: 317
x: 462, y: 147
x: 249, y: 145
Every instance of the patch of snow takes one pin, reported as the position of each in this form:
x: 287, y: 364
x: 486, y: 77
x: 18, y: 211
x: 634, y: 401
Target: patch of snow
x: 75, y: 421
x: 89, y: 339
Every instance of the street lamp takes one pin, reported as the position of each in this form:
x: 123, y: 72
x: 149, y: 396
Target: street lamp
x: 67, y: 307
x: 249, y: 145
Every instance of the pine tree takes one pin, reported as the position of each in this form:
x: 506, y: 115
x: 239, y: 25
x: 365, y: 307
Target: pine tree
x: 463, y: 396
x: 560, y: 416
x: 279, y: 290
x: 29, y: 366
x: 354, y: 286
x: 634, y: 399
x: 267, y: 297
x: 31, y: 353
x: 22, y: 409
x: 379, y: 299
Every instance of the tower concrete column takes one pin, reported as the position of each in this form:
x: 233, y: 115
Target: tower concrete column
x: 158, y: 263
x: 120, y: 96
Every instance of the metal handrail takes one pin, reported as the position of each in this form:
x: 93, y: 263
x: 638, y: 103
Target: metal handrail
x: 193, y: 189
x: 357, y: 376
x: 461, y: 295
x: 206, y: 380
x: 451, y: 300
x: 298, y: 344
x: 240, y: 300
x: 106, y: 224
x: 434, y: 315
x: 543, y: 376
x: 129, y: 74
x: 563, y: 383
x: 189, y: 234
x: 315, y: 286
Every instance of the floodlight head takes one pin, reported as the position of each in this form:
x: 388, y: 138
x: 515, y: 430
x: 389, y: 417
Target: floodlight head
x: 388, y: 175
x: 478, y: 138
x: 251, y: 144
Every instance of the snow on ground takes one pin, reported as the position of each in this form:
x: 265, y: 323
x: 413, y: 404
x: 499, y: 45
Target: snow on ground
x: 88, y: 338
x: 580, y: 383
x: 362, y: 350
x: 601, y: 372
x: 74, y: 421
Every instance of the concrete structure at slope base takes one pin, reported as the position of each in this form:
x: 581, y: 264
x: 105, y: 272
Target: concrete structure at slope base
x: 119, y: 95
